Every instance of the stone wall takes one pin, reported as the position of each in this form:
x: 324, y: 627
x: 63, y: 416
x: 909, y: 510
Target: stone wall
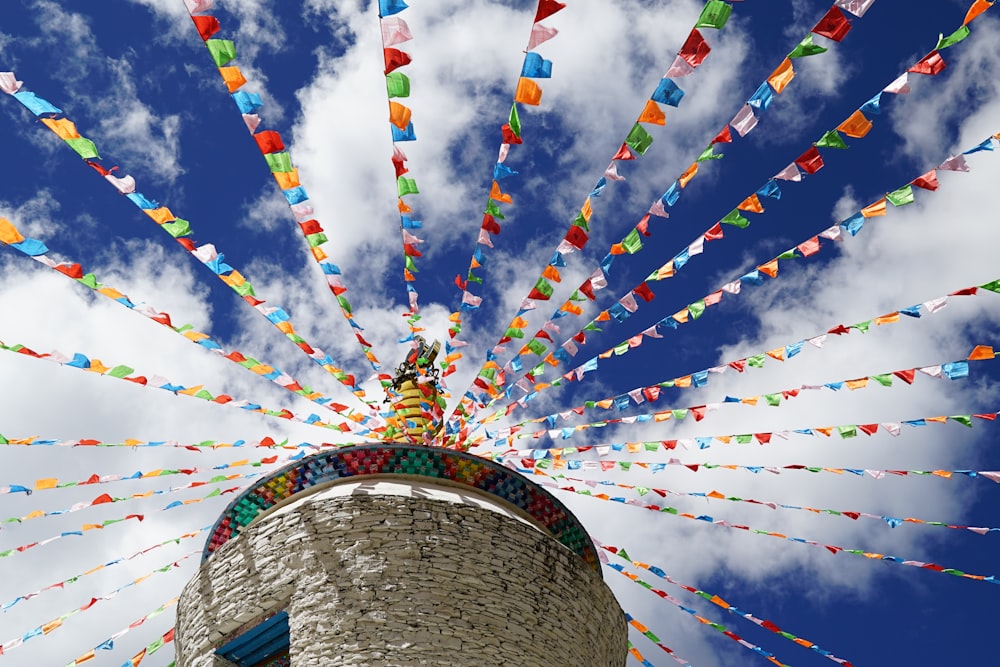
x: 383, y: 580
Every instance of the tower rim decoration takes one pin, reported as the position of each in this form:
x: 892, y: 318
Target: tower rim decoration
x: 406, y: 462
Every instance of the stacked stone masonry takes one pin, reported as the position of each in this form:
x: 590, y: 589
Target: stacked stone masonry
x: 404, y: 582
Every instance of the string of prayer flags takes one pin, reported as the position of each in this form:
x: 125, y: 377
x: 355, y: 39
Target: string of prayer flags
x: 852, y: 225
x: 152, y: 648
x: 105, y: 498
x: 714, y: 15
x: 634, y: 652
x: 529, y: 93
x: 265, y: 443
x: 395, y: 31
x: 109, y: 643
x: 47, y: 483
x: 843, y: 431
x: 954, y: 370
x: 890, y: 521
x: 719, y: 602
x: 278, y: 159
x: 718, y: 627
x: 127, y: 373
x: 833, y: 549
x: 180, y: 230
x: 48, y: 627
x: 659, y: 466
x: 99, y: 568
x: 37, y: 250
x: 810, y: 162
x: 648, y: 634
x: 69, y: 533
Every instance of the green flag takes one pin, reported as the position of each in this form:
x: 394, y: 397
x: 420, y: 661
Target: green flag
x: 515, y: 121
x: 120, y: 371
x: 84, y: 147
x: 993, y: 286
x: 756, y: 361
x: 709, y: 154
x: 632, y: 243
x: 806, y: 48
x: 397, y: 84
x: 831, y: 139
x: 901, y: 197
x: 697, y: 308
x: 953, y: 38
x: 774, y: 400
x: 735, y: 219
x: 494, y: 210
x: 639, y: 139
x: 536, y: 346
x: 885, y: 379
x: 319, y: 238
x: 177, y: 228
x: 847, y: 431
x: 221, y: 50
x: 406, y: 186
x: 714, y: 15
x: 964, y: 420
x: 279, y: 162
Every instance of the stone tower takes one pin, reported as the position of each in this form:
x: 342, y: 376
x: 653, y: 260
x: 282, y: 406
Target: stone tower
x: 398, y: 555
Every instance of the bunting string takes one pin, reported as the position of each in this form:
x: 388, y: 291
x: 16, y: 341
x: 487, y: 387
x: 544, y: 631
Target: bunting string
x: 48, y: 483
x: 954, y: 370
x: 715, y: 14
x: 180, y: 230
x: 279, y: 161
x: 718, y: 627
x: 648, y: 634
x: 891, y: 521
x: 844, y: 431
x: 809, y: 248
x: 124, y: 372
x: 934, y: 567
x: 527, y: 93
x: 719, y: 602
x: 700, y: 378
x: 50, y: 626
x: 37, y: 250
x: 394, y: 31
x: 109, y: 643
x: 834, y: 25
x: 266, y: 443
x: 105, y: 498
x: 153, y: 647
x: 658, y: 466
x: 99, y: 568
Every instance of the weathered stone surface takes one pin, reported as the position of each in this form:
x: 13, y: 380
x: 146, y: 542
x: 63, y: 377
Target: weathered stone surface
x: 387, y: 581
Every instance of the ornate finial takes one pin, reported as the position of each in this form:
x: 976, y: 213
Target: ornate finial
x: 414, y: 394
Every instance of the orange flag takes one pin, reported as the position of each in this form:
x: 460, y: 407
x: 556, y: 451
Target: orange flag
x: 528, y: 92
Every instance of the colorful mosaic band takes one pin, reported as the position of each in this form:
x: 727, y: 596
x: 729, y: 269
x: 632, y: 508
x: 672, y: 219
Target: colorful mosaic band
x: 434, y: 463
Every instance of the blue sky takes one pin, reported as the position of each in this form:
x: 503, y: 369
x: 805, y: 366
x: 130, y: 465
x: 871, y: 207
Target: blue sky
x: 137, y: 80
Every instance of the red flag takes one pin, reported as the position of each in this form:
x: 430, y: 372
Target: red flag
x: 695, y: 49
x: 930, y: 64
x: 547, y: 8
x: 810, y: 161
x: 269, y: 141
x: 928, y: 181
x: 394, y: 59
x: 834, y: 25
x: 206, y: 25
